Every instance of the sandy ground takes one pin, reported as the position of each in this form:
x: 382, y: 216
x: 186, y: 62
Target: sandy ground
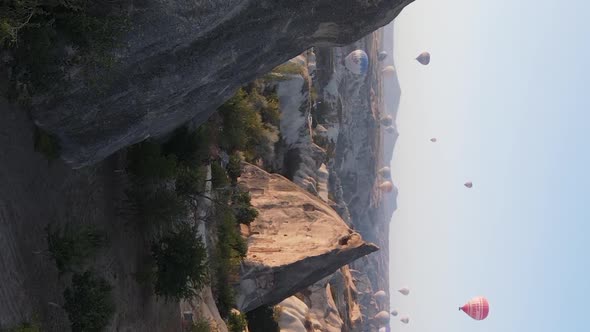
x: 34, y: 193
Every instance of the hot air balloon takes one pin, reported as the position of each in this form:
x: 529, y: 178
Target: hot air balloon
x: 387, y: 120
x: 424, y: 58
x: 382, y: 317
x: 380, y: 295
x: 357, y: 62
x: 394, y: 313
x: 468, y: 184
x: 405, y: 319
x: 433, y: 140
x: 477, y: 308
x: 385, y: 172
x: 405, y: 291
x: 386, y: 186
x: 388, y: 71
x: 382, y: 56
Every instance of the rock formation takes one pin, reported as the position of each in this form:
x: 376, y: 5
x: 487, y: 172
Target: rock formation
x: 295, y: 241
x: 179, y: 60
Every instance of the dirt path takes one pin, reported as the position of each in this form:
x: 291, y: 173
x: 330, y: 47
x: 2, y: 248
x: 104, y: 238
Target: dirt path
x: 34, y: 193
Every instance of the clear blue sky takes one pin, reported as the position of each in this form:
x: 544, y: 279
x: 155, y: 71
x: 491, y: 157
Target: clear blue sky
x: 507, y: 94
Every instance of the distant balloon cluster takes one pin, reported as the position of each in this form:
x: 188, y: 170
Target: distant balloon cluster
x: 382, y: 318
x: 478, y: 307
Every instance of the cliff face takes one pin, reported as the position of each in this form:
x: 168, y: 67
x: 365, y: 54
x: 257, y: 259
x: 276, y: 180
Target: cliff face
x: 296, y: 240
x: 179, y: 60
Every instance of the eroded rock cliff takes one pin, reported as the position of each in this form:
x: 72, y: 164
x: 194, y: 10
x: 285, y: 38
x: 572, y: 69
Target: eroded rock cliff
x: 296, y: 240
x: 179, y: 60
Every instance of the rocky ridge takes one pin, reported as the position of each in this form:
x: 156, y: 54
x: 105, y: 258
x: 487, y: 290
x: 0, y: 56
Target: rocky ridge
x: 295, y: 241
x: 348, y: 127
x: 180, y: 60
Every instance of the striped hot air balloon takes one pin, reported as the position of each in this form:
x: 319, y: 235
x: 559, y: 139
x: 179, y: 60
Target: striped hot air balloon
x: 477, y: 308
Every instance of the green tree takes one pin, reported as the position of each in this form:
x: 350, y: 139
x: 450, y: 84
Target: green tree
x: 89, y: 303
x: 157, y: 207
x: 219, y: 177
x: 146, y: 162
x: 25, y: 327
x: 46, y: 144
x: 231, y: 249
x: 201, y: 326
x: 242, y: 208
x: 234, y: 168
x: 236, y: 322
x: 180, y: 259
x: 189, y: 147
x: 264, y: 318
x: 71, y: 246
x: 191, y: 182
x: 242, y: 124
x: 15, y: 16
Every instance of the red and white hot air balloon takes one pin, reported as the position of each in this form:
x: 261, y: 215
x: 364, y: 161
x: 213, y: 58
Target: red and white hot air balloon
x: 477, y: 308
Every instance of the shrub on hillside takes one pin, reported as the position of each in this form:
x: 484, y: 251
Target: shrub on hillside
x: 219, y: 177
x: 234, y: 168
x: 71, y: 246
x: 242, y: 208
x: 147, y: 162
x: 25, y: 327
x: 264, y: 318
x: 230, y: 250
x: 236, y: 322
x: 89, y: 303
x: 34, y: 29
x: 201, y: 326
x: 190, y: 182
x: 46, y: 144
x: 157, y: 207
x: 180, y: 259
x: 189, y: 147
x: 289, y: 68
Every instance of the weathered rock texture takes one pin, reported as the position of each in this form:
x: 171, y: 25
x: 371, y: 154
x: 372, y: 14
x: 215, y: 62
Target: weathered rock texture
x: 182, y: 59
x: 296, y: 240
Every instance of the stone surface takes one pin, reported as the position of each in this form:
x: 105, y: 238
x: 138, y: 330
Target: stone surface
x: 296, y: 240
x: 293, y: 317
x: 179, y: 60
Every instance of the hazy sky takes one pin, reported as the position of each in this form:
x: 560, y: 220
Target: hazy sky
x: 507, y: 94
